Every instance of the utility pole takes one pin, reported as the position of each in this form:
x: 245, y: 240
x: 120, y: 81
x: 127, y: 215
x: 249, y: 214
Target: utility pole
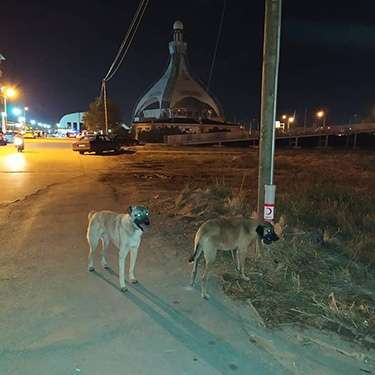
x: 271, y: 47
x: 3, y: 112
x: 305, y: 118
x: 105, y: 106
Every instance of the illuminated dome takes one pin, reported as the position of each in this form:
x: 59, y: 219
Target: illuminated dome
x: 177, y: 94
x: 178, y: 25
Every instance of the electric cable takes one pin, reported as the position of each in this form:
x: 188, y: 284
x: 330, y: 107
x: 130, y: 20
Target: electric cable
x: 110, y: 75
x: 130, y: 34
x: 217, y: 44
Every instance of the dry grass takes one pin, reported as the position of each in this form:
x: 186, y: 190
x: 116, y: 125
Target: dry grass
x: 322, y: 273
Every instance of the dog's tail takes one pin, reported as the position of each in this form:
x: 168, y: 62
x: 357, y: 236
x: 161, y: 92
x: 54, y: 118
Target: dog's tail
x: 196, y: 252
x: 91, y: 213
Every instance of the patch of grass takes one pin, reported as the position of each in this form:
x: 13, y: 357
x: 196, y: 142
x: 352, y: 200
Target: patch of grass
x: 327, y: 284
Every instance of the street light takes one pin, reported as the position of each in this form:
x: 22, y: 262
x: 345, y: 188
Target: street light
x: 9, y: 92
x: 16, y: 111
x: 321, y: 115
x: 290, y: 121
x: 6, y: 92
x: 25, y: 109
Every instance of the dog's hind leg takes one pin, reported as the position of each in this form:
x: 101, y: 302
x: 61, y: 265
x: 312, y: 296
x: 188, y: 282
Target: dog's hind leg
x: 204, y: 277
x: 194, y: 272
x: 209, y: 256
x: 93, y: 243
x: 105, y: 244
x: 195, y: 267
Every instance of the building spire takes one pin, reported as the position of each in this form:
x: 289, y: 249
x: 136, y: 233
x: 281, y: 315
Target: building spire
x: 178, y: 28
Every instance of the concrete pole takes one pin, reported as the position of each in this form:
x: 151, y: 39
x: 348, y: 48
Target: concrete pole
x: 5, y: 116
x: 355, y: 140
x: 105, y: 107
x: 271, y: 48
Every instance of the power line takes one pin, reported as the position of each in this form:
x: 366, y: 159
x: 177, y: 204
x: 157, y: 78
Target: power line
x: 130, y: 33
x: 108, y: 77
x: 216, y: 45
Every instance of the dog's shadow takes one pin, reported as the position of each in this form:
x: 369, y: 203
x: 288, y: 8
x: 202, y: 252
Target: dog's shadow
x: 219, y: 354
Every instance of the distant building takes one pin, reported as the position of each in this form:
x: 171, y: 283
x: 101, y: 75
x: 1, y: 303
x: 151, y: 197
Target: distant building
x: 177, y: 100
x: 71, y: 122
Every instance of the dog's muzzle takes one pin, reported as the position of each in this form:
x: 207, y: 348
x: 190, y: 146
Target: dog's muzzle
x: 269, y: 238
x: 142, y: 223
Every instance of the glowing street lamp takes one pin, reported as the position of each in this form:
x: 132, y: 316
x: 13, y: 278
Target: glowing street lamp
x: 16, y: 111
x: 321, y: 115
x: 290, y: 121
x: 6, y: 92
x: 25, y: 109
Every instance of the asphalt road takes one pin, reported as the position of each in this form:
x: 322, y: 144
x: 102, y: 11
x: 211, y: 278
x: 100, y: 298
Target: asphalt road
x: 57, y: 318
x: 43, y: 163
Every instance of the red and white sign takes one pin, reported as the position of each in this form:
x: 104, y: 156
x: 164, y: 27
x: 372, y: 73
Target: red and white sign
x: 269, y: 211
x: 269, y: 202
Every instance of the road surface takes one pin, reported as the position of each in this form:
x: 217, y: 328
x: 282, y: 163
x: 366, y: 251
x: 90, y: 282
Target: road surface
x: 56, y: 318
x: 42, y: 163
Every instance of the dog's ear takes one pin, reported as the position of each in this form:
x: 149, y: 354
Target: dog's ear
x: 130, y: 209
x: 260, y: 230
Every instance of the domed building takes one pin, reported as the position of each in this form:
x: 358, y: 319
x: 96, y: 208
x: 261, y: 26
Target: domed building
x: 177, y: 100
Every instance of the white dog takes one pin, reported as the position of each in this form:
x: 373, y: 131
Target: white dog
x: 124, y: 231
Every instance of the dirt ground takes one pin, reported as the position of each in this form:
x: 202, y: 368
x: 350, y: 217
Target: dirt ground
x: 56, y: 318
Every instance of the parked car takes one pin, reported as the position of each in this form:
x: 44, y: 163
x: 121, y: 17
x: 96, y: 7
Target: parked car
x: 86, y: 133
x: 98, y: 144
x: 71, y: 134
x: 3, y: 140
x: 29, y: 135
x: 9, y: 136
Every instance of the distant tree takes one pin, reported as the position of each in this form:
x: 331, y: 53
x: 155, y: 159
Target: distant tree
x: 370, y: 116
x: 93, y: 119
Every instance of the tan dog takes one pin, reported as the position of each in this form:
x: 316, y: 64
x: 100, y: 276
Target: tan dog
x: 227, y: 234
x: 124, y: 231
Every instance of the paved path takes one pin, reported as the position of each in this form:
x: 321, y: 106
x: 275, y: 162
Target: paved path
x: 56, y: 318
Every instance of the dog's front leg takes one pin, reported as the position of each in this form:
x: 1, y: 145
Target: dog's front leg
x: 242, y: 258
x: 133, y: 258
x: 237, y: 261
x: 122, y: 256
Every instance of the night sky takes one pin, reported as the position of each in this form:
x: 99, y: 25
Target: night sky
x: 58, y: 53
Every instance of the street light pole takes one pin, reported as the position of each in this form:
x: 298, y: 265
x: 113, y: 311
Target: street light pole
x: 4, y: 115
x: 321, y: 115
x: 105, y: 106
x: 6, y: 92
x: 25, y: 109
x: 271, y: 47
